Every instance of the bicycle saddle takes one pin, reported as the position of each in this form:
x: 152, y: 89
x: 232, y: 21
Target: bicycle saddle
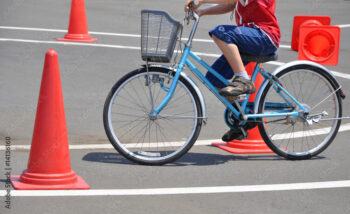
x: 258, y: 59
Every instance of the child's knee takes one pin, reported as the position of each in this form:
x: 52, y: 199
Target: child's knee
x: 215, y: 37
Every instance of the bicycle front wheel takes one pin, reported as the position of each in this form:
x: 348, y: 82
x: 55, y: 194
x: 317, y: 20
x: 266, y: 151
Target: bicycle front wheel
x: 309, y: 134
x: 145, y: 139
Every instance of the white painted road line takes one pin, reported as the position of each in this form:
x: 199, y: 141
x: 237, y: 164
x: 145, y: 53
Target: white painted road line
x: 120, y: 34
x: 313, y: 132
x: 346, y: 76
x: 343, y: 26
x: 65, y: 31
x: 181, y: 191
x: 342, y: 75
x: 343, y: 128
x: 285, y: 46
x: 103, y: 33
x: 69, y: 43
x: 109, y: 146
x: 32, y: 29
x: 72, y: 147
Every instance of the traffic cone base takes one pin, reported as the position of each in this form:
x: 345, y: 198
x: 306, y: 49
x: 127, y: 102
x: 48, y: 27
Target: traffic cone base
x: 249, y: 148
x: 306, y: 21
x: 319, y: 44
x: 77, y: 29
x: 47, y: 182
x: 251, y: 145
x: 77, y: 38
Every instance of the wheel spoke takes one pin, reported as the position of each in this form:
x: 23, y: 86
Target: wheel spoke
x: 314, y: 91
x: 142, y: 138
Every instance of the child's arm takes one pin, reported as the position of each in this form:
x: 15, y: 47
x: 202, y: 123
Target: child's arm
x: 198, y: 3
x: 223, y: 6
x: 216, y: 10
x: 218, y: 1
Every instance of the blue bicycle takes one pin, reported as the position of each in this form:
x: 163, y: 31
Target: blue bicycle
x: 154, y: 114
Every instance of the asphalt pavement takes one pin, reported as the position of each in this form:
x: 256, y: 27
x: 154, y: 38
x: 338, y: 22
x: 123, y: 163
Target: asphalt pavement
x: 88, y: 72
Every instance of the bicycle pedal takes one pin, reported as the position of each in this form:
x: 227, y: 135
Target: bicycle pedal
x: 240, y: 97
x: 244, y: 132
x: 237, y: 98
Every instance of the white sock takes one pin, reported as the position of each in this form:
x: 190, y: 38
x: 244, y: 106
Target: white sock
x: 243, y: 74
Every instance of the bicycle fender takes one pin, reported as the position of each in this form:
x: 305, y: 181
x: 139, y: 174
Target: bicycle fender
x: 291, y: 64
x: 192, y: 83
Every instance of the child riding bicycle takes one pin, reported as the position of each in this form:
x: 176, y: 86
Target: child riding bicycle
x: 257, y: 33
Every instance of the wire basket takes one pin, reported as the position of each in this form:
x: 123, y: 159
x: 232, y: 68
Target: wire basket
x: 159, y: 33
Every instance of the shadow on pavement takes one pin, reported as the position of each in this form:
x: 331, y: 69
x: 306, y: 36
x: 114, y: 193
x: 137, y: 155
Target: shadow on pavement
x: 203, y: 159
x: 199, y: 159
x: 106, y: 157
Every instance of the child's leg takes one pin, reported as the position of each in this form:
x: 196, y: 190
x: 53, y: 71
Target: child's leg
x: 223, y: 68
x: 232, y: 40
x: 232, y: 55
x: 241, y: 84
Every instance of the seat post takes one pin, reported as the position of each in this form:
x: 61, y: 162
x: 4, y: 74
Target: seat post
x: 255, y: 71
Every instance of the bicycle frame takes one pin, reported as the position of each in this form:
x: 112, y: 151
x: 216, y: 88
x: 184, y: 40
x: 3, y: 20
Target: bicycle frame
x: 152, y: 120
x: 185, y: 61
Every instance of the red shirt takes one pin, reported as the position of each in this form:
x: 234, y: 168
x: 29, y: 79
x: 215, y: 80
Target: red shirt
x: 260, y: 13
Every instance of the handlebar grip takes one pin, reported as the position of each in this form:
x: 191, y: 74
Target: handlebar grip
x: 192, y: 5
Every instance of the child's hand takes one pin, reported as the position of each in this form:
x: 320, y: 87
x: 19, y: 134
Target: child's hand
x: 194, y: 6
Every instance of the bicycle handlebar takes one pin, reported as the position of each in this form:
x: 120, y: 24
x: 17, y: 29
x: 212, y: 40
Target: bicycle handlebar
x: 191, y: 15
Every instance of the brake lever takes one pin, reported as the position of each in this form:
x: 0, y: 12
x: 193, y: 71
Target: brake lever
x: 187, y: 18
x: 189, y: 14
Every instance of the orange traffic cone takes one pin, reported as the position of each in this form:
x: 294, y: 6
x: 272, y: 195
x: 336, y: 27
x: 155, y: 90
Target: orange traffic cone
x: 300, y: 21
x: 254, y: 142
x: 49, y: 161
x: 319, y: 44
x: 77, y: 30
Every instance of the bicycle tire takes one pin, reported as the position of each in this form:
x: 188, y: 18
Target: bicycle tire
x: 156, y: 145
x: 294, y: 142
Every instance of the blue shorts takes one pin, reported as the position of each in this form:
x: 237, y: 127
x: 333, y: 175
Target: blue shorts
x: 252, y: 41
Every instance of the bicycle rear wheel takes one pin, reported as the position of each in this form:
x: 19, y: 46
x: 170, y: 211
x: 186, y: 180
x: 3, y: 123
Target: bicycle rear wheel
x: 309, y: 134
x: 141, y: 138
